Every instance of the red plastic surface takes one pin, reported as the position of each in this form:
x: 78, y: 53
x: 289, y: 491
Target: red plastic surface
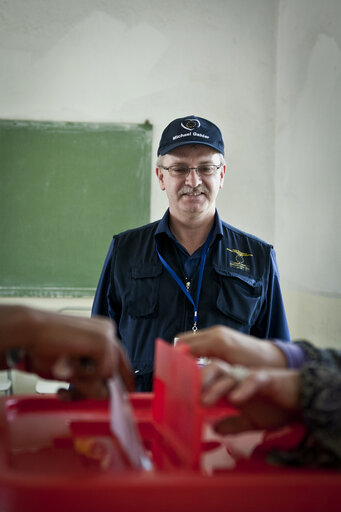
x: 57, y: 456
x: 176, y: 409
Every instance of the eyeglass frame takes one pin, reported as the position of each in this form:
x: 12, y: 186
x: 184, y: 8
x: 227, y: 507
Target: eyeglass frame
x: 217, y: 167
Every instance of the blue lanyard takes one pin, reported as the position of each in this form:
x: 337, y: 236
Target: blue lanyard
x: 180, y: 283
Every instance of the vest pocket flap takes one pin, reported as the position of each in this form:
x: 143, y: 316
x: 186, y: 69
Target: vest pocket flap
x: 223, y: 271
x: 145, y: 271
x: 144, y: 290
x: 239, y: 296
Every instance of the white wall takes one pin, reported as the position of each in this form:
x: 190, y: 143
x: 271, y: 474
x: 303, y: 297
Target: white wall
x: 127, y: 60
x: 308, y: 165
x: 239, y: 63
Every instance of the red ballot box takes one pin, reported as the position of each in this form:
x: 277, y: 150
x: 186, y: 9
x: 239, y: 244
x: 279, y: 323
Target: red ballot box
x: 57, y: 456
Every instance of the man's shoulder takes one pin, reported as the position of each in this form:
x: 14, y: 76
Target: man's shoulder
x: 233, y: 232
x: 138, y: 231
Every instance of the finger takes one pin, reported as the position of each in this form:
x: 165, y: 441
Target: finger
x: 249, y: 387
x: 65, y: 394
x: 94, y: 389
x: 200, y: 336
x: 73, y: 336
x: 212, y: 371
x: 71, y: 368
x: 221, y: 387
x: 116, y: 360
x: 203, y: 343
x: 208, y: 375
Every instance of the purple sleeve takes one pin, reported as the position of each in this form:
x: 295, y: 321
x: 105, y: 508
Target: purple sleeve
x: 294, y: 355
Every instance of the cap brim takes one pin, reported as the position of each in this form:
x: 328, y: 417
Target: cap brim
x: 170, y: 147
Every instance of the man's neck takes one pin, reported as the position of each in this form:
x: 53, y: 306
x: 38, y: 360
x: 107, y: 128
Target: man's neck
x: 191, y: 233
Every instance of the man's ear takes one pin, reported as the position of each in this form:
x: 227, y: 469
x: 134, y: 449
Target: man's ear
x: 160, y: 176
x: 222, y: 175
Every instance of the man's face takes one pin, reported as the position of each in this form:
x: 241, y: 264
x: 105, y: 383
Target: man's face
x: 192, y: 194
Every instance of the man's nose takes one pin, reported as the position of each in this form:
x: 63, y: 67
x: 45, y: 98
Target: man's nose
x: 193, y: 179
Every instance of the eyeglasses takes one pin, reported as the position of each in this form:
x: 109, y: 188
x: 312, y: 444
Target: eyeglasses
x: 182, y: 171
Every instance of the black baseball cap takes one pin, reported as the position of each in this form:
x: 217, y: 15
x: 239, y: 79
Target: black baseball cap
x: 190, y: 130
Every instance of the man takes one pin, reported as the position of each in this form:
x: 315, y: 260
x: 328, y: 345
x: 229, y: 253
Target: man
x: 83, y: 351
x: 189, y: 270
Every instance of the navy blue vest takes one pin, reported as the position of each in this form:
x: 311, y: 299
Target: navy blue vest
x: 240, y: 289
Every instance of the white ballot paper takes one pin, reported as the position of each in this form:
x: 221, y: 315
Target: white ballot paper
x: 123, y: 425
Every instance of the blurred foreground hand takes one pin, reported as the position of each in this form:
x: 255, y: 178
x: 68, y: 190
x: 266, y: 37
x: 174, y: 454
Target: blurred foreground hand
x: 82, y: 351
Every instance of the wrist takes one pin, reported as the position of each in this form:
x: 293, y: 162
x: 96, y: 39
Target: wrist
x: 271, y: 355
x: 286, y: 385
x: 250, y: 351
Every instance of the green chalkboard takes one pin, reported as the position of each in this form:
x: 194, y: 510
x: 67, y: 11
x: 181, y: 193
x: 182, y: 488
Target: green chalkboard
x: 65, y: 189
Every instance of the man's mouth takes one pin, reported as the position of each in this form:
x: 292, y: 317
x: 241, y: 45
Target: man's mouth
x: 192, y: 193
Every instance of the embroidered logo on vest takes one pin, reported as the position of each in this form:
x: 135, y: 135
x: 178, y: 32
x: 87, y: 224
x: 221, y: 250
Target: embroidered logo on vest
x: 239, y: 259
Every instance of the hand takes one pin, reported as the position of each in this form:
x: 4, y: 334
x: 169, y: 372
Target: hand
x: 267, y: 398
x: 83, y: 351
x: 234, y: 347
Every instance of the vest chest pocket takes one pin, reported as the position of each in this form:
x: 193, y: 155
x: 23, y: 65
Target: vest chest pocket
x: 143, y: 297
x: 239, y: 296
